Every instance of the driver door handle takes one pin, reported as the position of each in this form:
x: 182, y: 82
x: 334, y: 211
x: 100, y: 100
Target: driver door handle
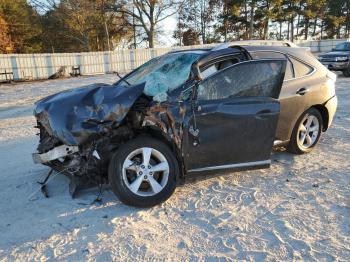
x: 264, y: 114
x: 302, y: 91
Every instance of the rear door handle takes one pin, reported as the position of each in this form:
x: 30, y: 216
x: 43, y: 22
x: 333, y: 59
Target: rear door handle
x: 302, y: 91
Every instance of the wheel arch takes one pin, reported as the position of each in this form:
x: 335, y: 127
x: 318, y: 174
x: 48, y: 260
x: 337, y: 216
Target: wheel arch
x: 293, y: 146
x: 325, y: 115
x: 158, y: 134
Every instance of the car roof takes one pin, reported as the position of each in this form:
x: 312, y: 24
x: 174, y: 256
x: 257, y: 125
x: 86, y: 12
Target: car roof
x: 189, y: 50
x: 286, y: 47
x: 248, y: 46
x: 254, y: 43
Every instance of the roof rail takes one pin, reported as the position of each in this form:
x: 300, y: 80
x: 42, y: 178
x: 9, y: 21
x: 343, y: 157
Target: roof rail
x: 254, y: 43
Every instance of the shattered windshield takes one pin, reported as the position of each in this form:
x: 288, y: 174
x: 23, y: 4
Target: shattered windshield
x: 163, y: 74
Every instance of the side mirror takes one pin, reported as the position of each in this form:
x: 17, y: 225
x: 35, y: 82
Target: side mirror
x: 196, y: 72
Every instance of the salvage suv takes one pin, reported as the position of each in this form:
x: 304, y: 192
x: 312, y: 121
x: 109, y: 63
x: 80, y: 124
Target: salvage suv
x: 186, y: 113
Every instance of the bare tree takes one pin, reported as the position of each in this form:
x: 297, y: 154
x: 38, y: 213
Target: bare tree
x: 147, y: 14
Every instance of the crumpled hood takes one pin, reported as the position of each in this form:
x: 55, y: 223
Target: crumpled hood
x: 74, y: 115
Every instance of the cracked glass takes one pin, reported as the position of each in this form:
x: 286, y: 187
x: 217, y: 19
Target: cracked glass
x: 247, y: 79
x: 163, y: 74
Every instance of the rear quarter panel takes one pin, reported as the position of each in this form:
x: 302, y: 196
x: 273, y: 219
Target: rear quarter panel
x: 321, y: 89
x: 293, y: 105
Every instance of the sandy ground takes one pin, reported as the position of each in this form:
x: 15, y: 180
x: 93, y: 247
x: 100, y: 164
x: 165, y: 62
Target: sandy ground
x: 299, y: 209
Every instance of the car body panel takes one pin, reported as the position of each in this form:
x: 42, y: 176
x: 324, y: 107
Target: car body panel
x: 294, y: 104
x: 76, y: 115
x: 231, y: 133
x: 319, y: 89
x: 235, y: 129
x: 331, y: 106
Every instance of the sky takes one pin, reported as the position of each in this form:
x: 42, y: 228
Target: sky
x: 168, y: 25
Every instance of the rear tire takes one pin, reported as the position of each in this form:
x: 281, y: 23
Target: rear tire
x: 143, y: 172
x: 306, y: 133
x: 346, y: 72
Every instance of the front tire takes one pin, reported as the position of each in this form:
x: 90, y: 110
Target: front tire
x: 143, y: 172
x: 346, y: 72
x: 306, y: 133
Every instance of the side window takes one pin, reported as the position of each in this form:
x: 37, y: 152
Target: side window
x: 300, y: 68
x: 270, y: 55
x: 209, y: 71
x: 220, y: 65
x: 253, y: 78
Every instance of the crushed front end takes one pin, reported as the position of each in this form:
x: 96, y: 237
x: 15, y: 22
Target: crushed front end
x: 85, y: 165
x: 79, y: 129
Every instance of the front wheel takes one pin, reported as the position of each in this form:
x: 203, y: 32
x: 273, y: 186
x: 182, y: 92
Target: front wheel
x: 306, y: 132
x: 143, y: 172
x: 346, y: 72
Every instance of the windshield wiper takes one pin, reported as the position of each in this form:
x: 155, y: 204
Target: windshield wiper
x: 122, y: 79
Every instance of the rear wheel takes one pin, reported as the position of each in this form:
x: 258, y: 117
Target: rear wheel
x: 346, y: 72
x: 306, y: 132
x: 143, y: 172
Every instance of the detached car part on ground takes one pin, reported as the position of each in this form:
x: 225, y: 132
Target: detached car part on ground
x: 186, y: 113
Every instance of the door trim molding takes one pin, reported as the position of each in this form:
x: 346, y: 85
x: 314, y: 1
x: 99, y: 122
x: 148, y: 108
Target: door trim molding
x: 238, y: 165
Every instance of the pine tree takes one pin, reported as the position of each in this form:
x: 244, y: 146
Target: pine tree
x: 23, y: 25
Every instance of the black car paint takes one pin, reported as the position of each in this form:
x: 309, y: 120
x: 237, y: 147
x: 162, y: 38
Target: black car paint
x: 233, y: 130
x: 87, y: 117
x: 74, y: 116
x: 78, y: 115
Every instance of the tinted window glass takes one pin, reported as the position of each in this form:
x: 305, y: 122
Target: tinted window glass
x: 300, y: 68
x: 255, y: 78
x: 266, y: 54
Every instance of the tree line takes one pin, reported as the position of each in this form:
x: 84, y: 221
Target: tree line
x: 98, y: 25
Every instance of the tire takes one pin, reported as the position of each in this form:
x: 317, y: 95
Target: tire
x: 297, y: 144
x: 127, y: 167
x: 346, y: 72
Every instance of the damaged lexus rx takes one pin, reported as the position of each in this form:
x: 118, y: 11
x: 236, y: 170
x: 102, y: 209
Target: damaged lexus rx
x: 186, y: 113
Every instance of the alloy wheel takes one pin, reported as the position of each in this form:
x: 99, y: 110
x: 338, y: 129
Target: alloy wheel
x: 308, y: 131
x: 145, y: 171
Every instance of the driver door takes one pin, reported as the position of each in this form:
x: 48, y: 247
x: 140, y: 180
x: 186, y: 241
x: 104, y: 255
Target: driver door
x: 234, y: 117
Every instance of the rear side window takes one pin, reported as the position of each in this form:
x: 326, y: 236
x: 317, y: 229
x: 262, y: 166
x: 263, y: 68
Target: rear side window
x: 270, y: 55
x: 254, y: 78
x: 300, y: 68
